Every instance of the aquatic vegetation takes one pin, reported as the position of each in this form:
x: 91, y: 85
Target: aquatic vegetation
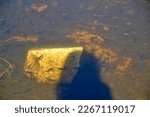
x: 122, y: 67
x: 106, y: 54
x: 84, y: 37
x: 50, y: 65
x: 93, y: 43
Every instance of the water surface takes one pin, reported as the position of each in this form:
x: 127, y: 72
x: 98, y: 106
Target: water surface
x: 114, y: 33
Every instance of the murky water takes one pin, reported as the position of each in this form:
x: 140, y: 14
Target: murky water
x: 114, y: 33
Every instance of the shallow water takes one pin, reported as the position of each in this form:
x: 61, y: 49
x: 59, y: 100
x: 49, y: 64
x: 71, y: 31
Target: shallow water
x: 123, y: 25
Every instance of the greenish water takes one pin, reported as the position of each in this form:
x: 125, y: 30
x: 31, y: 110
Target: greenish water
x: 124, y: 25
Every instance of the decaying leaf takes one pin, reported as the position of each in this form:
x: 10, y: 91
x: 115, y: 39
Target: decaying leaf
x: 54, y: 64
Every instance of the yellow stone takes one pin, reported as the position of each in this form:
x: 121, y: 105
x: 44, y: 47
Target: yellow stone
x: 53, y: 64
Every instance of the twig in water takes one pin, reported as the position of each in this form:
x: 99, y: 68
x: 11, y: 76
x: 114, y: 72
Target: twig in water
x: 10, y: 67
x: 102, y: 24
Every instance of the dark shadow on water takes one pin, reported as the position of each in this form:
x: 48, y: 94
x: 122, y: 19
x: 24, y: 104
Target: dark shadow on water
x: 86, y: 84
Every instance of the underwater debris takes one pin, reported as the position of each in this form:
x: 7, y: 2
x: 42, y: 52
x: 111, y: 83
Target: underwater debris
x: 39, y: 7
x: 32, y: 39
x: 129, y: 23
x: 8, y: 69
x: 53, y: 64
x: 106, y: 28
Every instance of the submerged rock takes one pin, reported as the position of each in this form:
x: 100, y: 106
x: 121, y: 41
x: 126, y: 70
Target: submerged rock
x: 54, y: 64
